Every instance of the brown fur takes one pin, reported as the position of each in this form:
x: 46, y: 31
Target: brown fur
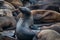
x: 6, y: 18
x: 15, y: 2
x: 8, y: 22
x: 7, y: 13
x: 55, y: 27
x: 48, y: 35
x: 51, y: 16
x: 9, y: 5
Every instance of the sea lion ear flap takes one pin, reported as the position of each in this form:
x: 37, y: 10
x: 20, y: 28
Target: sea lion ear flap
x: 26, y: 11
